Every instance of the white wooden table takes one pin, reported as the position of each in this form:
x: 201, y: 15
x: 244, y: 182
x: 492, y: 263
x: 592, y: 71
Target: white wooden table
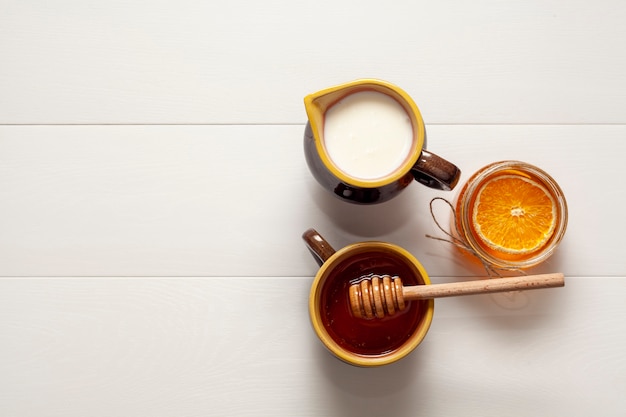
x: 153, y: 191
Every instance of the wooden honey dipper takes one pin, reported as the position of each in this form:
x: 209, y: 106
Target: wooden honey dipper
x: 381, y: 295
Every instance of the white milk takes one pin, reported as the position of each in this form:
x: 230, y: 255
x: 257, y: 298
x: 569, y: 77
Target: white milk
x: 368, y: 135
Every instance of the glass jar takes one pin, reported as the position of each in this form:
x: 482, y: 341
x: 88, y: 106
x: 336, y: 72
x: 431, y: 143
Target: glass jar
x: 467, y: 209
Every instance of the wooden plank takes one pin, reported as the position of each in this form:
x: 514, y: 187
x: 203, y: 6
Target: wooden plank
x: 234, y: 200
x: 189, y: 61
x: 244, y: 347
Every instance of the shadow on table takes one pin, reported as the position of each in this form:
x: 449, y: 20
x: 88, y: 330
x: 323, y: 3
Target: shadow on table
x: 371, y: 220
x: 387, y: 390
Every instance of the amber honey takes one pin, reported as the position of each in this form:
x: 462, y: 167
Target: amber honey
x: 511, y: 215
x: 361, y: 336
x: 355, y: 340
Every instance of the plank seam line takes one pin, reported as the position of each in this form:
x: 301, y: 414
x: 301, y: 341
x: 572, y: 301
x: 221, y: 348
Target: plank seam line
x: 287, y: 124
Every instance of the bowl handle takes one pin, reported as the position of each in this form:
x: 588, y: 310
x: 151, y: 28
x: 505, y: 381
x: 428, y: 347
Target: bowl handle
x: 318, y: 246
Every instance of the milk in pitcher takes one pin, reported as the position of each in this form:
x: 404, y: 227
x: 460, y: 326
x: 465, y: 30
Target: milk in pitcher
x: 368, y: 135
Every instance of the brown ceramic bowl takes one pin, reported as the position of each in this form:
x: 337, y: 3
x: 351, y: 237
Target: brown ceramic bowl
x: 358, y: 341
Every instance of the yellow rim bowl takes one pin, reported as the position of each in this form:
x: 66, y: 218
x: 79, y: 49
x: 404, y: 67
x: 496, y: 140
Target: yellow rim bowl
x: 315, y: 308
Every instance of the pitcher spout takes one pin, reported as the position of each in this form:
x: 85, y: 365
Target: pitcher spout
x: 317, y: 104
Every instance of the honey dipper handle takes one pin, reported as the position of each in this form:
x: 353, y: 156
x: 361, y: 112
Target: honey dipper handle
x: 485, y: 286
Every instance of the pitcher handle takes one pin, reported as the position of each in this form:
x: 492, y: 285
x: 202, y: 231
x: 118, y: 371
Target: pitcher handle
x: 435, y: 172
x: 318, y: 246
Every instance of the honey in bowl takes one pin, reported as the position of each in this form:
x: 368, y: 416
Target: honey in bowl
x: 352, y: 339
x: 511, y: 215
x: 368, y: 337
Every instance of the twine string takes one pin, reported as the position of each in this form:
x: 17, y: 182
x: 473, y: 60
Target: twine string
x: 490, y: 269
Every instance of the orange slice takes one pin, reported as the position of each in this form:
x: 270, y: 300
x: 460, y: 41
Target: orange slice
x: 514, y: 214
